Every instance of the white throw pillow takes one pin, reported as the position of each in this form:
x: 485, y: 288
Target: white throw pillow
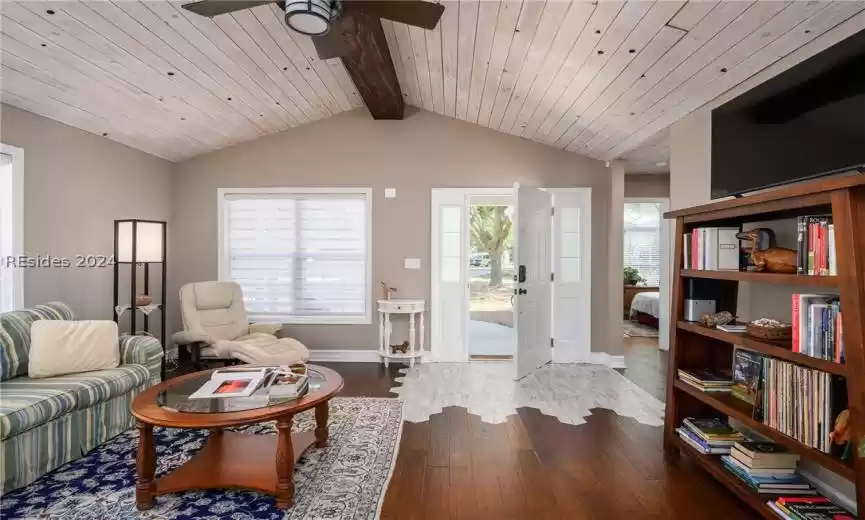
x: 60, y: 347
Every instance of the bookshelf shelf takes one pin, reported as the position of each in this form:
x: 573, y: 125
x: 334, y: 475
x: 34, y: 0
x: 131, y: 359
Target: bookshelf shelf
x: 713, y: 466
x: 770, y: 349
x: 770, y: 278
x: 731, y: 406
x: 695, y: 347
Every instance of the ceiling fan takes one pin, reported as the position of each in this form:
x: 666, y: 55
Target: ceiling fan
x: 350, y: 30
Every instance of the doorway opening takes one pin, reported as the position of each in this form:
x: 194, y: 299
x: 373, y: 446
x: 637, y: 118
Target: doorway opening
x: 646, y: 262
x: 550, y: 253
x: 491, y: 334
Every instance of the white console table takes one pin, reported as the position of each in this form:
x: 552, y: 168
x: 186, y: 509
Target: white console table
x: 415, y: 341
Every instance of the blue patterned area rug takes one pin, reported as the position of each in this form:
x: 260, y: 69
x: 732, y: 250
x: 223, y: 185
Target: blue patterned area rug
x: 346, y: 480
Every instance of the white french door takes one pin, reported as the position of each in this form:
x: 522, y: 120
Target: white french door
x: 534, y: 299
x: 559, y: 309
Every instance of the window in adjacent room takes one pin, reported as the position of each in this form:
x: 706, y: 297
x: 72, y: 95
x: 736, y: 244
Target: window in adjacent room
x: 643, y: 240
x: 301, y: 255
x: 11, y: 226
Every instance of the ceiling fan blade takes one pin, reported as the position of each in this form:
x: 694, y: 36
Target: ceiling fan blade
x: 411, y: 12
x: 330, y: 45
x: 211, y: 8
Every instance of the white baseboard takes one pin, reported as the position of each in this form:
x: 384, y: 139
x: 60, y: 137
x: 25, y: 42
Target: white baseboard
x: 345, y: 356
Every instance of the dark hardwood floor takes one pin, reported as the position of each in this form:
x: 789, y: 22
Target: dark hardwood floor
x: 533, y: 467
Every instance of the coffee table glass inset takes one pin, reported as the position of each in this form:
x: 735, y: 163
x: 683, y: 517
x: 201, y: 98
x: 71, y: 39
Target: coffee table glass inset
x: 229, y: 460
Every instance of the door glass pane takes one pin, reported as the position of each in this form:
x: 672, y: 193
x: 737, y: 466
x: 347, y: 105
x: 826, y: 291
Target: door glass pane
x: 569, y: 249
x: 451, y: 243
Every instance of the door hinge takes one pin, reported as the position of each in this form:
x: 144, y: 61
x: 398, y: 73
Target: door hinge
x: 553, y: 211
x: 552, y: 277
x: 552, y: 342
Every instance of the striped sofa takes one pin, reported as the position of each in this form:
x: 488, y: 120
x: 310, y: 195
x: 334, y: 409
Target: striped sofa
x: 45, y: 423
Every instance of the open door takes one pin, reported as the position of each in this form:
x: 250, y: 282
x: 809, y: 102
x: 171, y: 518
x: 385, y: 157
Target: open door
x: 533, y: 302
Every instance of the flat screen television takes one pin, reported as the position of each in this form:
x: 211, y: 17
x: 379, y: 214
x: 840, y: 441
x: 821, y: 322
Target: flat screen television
x: 807, y: 122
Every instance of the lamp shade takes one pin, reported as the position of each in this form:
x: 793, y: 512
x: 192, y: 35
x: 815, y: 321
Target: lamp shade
x: 148, y: 238
x: 310, y: 17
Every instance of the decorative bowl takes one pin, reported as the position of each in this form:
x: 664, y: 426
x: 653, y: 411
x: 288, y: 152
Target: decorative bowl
x: 770, y: 330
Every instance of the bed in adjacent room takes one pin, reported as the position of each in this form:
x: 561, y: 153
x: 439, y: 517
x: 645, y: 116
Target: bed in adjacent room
x: 646, y: 308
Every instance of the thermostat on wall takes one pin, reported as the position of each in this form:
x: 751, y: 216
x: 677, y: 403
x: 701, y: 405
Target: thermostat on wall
x: 390, y: 193
x: 412, y: 263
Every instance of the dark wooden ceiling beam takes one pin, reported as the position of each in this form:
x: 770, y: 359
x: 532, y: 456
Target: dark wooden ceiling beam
x: 369, y: 63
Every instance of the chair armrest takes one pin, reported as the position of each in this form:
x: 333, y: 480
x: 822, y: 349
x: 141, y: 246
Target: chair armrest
x: 186, y: 337
x: 142, y: 350
x: 265, y: 328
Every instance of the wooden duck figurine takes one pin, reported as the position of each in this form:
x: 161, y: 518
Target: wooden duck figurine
x: 766, y: 255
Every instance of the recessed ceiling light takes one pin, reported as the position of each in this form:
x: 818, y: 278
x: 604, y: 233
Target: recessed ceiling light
x: 50, y: 11
x: 660, y: 163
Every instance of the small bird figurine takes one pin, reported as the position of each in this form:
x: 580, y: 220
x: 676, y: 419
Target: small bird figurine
x: 387, y: 290
x: 766, y: 255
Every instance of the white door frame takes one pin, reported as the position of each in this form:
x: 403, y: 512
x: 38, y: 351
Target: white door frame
x: 15, y: 215
x: 439, y: 352
x: 664, y: 285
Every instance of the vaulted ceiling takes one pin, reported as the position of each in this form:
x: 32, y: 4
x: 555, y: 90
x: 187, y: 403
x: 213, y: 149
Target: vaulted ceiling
x: 602, y: 79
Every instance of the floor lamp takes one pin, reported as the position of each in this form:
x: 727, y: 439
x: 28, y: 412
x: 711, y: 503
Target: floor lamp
x: 141, y: 243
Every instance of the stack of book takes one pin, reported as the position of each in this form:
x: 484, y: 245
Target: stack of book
x: 801, y: 402
x: 709, y: 436
x: 808, y: 508
x: 712, y: 249
x: 707, y: 381
x: 816, y: 246
x: 767, y: 468
x: 817, y: 326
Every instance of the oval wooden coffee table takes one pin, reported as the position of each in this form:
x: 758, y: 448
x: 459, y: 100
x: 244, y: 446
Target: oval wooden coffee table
x: 229, y: 460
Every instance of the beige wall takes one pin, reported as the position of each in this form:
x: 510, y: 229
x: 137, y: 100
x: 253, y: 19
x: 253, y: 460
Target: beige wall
x: 649, y: 185
x: 423, y: 151
x: 75, y: 185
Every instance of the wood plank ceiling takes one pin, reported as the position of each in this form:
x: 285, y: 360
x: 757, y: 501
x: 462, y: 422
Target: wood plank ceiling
x: 596, y: 78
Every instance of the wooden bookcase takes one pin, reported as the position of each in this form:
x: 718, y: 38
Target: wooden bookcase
x: 694, y: 346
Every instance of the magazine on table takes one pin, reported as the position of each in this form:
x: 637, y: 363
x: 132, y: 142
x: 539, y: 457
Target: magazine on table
x: 237, y: 382
x: 264, y: 382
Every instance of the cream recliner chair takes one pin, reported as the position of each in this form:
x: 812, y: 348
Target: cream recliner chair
x: 215, y: 327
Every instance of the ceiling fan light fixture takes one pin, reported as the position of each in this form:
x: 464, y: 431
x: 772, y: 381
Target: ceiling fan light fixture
x: 311, y: 17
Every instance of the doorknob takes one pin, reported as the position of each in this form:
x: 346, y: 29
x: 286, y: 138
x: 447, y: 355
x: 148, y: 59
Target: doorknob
x: 522, y: 291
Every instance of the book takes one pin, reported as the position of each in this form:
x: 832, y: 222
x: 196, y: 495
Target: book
x: 288, y: 385
x: 227, y: 383
x: 761, y: 472
x: 712, y: 428
x: 712, y: 248
x: 815, y: 243
x: 701, y: 445
x: 747, y: 370
x: 763, y: 455
x: 733, y: 327
x: 791, y: 480
x: 812, y: 508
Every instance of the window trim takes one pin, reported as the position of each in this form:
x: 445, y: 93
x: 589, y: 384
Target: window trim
x: 17, y: 219
x: 222, y: 245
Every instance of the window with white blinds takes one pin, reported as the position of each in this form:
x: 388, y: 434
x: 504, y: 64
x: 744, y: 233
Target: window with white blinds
x: 643, y: 240
x: 300, y: 255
